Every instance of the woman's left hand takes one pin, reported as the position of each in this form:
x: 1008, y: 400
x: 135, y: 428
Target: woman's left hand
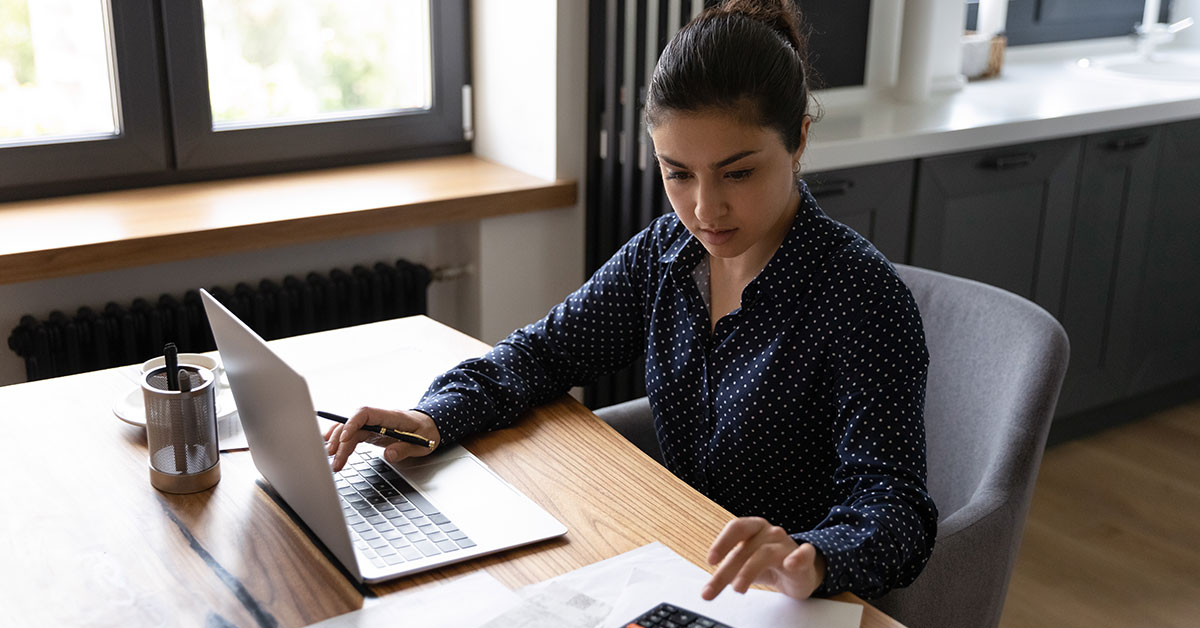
x: 752, y: 551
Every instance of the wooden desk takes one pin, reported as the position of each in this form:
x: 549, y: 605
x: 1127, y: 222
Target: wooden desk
x: 87, y: 541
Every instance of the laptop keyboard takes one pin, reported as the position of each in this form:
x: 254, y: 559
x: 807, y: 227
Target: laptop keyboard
x: 389, y: 521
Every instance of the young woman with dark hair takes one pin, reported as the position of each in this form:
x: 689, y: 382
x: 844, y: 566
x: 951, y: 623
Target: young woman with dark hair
x: 785, y: 360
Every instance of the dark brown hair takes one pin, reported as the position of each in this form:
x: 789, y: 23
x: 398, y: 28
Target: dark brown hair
x: 748, y: 57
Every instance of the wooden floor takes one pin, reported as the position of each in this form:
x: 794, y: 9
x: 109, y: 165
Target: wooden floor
x: 1113, y: 536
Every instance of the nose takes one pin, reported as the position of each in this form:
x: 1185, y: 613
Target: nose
x: 710, y: 203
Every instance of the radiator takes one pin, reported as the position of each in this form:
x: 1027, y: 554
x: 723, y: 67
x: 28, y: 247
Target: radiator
x: 116, y: 335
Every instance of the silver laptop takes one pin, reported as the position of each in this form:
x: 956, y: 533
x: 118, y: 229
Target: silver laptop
x: 380, y: 520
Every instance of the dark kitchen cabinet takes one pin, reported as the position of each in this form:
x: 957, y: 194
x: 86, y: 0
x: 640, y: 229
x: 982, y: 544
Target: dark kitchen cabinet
x: 1001, y: 216
x: 1105, y: 266
x: 1167, y: 332
x: 1103, y: 231
x: 875, y: 201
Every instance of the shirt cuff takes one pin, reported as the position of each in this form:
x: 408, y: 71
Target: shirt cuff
x: 450, y: 420
x: 837, y: 562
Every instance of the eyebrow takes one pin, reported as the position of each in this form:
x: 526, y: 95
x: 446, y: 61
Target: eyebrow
x: 720, y: 164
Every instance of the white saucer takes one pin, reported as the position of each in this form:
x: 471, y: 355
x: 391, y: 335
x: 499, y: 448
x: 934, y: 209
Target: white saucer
x: 131, y: 409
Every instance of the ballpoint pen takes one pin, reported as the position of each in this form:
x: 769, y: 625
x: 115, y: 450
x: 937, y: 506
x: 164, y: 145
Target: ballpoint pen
x: 407, y: 437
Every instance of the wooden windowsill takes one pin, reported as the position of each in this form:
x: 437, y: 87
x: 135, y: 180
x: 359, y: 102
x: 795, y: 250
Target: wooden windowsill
x: 56, y: 237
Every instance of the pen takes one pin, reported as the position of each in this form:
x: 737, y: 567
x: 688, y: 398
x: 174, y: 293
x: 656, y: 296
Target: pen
x: 171, y: 357
x: 406, y: 437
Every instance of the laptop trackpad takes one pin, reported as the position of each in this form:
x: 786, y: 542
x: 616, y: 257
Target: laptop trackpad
x: 472, y: 496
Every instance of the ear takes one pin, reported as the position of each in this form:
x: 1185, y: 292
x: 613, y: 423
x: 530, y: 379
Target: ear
x: 803, y: 138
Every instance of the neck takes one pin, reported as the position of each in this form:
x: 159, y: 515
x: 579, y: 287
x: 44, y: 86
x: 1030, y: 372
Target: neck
x: 745, y: 267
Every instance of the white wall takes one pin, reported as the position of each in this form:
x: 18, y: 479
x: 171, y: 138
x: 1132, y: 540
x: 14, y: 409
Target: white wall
x: 530, y: 107
x: 530, y: 64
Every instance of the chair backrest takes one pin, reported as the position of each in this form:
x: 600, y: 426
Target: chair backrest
x: 996, y: 366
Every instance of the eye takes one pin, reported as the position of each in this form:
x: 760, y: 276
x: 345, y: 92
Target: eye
x: 739, y: 175
x: 677, y: 175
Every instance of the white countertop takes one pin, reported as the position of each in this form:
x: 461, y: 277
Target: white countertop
x: 1042, y: 93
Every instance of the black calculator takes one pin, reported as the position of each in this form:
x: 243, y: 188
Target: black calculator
x: 668, y: 616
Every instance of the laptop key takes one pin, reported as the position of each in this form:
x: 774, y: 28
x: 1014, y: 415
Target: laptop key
x: 427, y: 548
x: 446, y: 545
x: 456, y: 534
x: 378, y: 542
x: 394, y: 559
x: 399, y: 542
x: 392, y: 534
x: 465, y: 542
x: 437, y: 536
x: 420, y: 502
x: 409, y: 552
x: 361, y: 527
x: 438, y: 518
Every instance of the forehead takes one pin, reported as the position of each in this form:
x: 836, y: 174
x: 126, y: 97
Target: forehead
x: 706, y: 136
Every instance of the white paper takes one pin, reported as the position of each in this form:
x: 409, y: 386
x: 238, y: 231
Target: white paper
x: 755, y: 609
x: 554, y: 606
x: 467, y: 602
x: 605, y: 580
x: 636, y: 581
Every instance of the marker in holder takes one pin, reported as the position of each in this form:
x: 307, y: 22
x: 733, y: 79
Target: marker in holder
x: 181, y: 430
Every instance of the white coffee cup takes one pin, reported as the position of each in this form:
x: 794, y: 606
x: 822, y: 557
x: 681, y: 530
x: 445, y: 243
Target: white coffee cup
x: 191, y: 359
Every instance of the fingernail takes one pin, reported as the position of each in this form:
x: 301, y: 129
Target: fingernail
x: 390, y: 455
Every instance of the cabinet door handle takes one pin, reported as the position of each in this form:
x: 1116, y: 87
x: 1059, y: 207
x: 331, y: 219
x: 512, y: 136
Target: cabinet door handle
x: 832, y: 188
x: 1008, y: 162
x: 1128, y: 143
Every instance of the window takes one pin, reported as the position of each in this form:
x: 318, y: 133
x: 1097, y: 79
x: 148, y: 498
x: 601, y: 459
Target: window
x: 160, y: 91
x: 68, y: 79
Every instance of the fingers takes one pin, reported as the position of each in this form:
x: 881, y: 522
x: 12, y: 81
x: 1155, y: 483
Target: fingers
x: 751, y: 550
x: 342, y: 438
x: 733, y: 533
x: 748, y: 549
x: 801, y: 558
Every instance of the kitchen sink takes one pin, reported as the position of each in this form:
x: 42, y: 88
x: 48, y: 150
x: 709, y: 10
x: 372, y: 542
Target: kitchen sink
x: 1163, y: 65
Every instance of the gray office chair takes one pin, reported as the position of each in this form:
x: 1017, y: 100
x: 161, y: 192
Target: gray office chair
x: 996, y: 366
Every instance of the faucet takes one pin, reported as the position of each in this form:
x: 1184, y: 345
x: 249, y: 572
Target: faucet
x: 1150, y: 36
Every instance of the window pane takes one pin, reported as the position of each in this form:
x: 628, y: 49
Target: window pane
x: 56, y: 80
x: 281, y: 61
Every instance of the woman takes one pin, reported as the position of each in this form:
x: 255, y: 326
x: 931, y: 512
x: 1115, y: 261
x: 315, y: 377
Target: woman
x: 785, y: 360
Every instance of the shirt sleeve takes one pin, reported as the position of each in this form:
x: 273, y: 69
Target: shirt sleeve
x: 598, y: 329
x: 881, y: 536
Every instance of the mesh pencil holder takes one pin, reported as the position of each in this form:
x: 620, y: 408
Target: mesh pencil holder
x: 181, y: 430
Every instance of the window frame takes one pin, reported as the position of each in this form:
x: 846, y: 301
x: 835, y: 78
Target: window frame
x: 139, y: 146
x: 165, y: 130
x: 438, y: 130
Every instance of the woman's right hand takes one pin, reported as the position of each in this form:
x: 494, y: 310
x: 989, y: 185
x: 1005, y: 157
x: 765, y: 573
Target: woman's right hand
x: 342, y: 439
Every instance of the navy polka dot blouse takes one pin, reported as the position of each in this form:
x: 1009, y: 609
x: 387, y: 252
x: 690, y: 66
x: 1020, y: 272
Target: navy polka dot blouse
x: 804, y: 406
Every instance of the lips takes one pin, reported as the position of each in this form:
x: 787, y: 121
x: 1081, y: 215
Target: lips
x: 716, y: 237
